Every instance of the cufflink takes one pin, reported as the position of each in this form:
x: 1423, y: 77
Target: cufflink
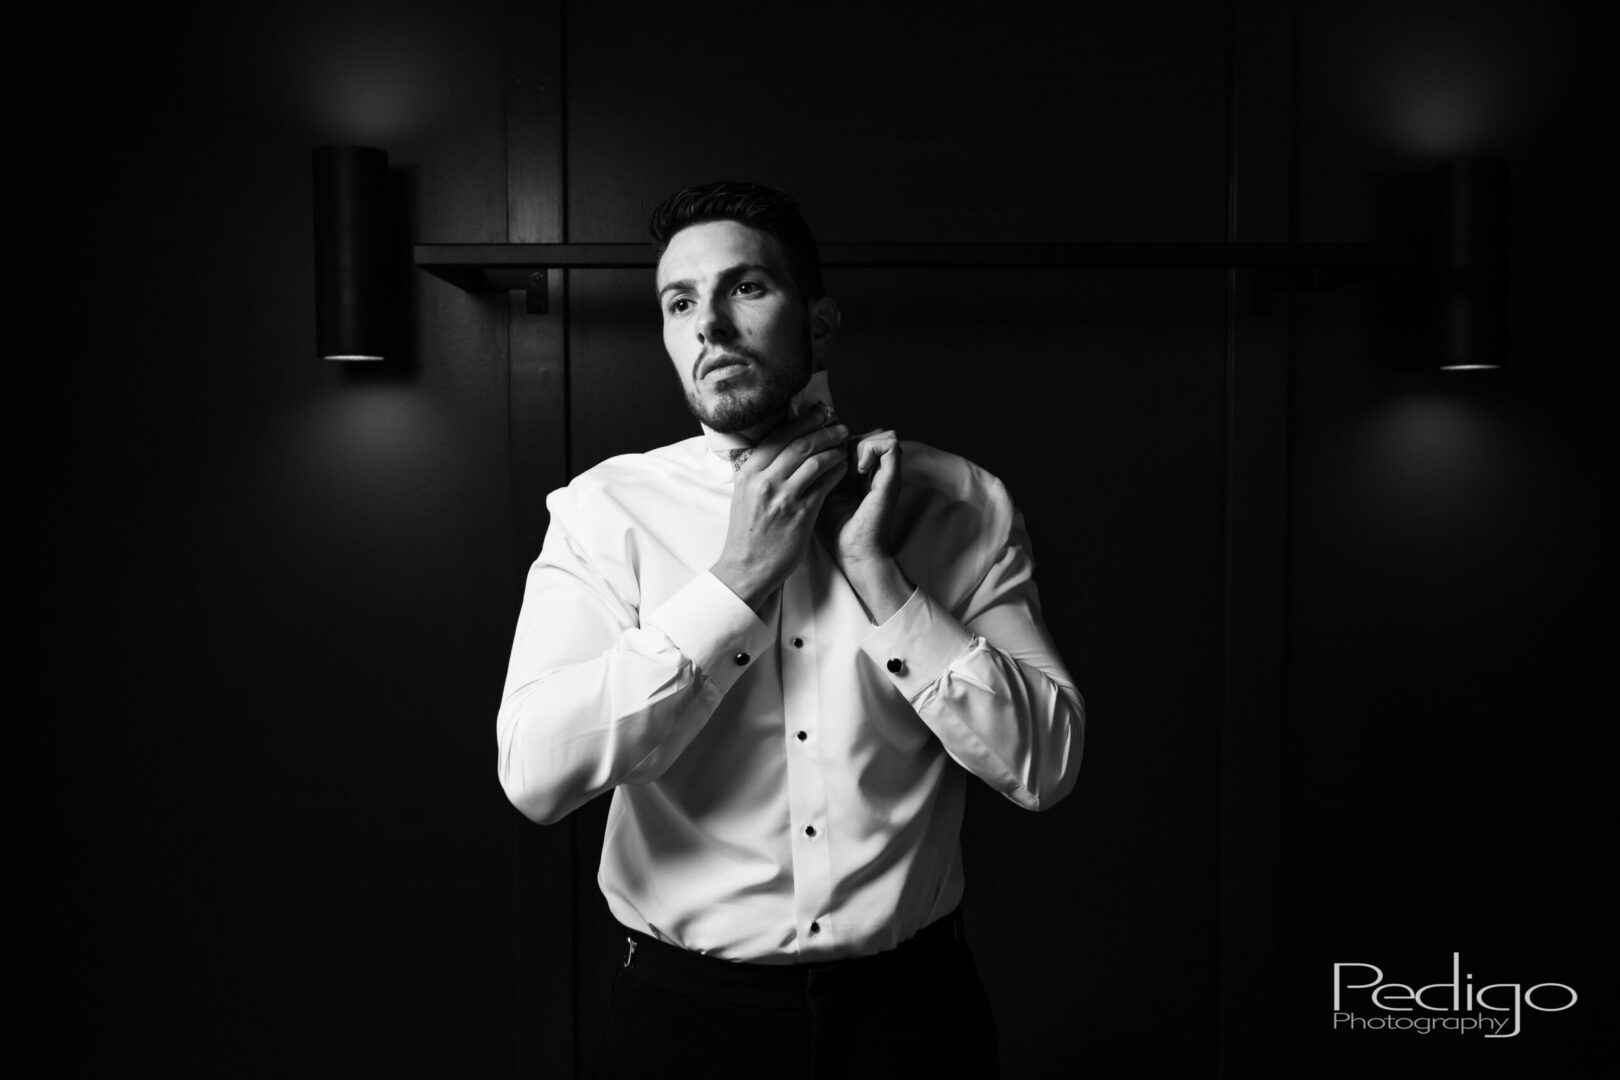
x: 896, y: 665
x: 742, y: 660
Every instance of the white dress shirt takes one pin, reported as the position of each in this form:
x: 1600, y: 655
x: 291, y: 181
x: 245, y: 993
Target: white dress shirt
x: 787, y: 786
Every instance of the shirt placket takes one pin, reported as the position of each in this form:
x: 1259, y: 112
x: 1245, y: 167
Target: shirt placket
x: 807, y: 785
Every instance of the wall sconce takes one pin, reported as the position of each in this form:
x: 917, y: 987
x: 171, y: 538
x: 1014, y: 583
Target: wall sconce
x: 1470, y: 265
x: 353, y: 313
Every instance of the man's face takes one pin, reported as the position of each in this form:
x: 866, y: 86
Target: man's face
x: 734, y: 324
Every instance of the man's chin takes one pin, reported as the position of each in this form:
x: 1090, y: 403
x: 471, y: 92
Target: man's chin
x: 732, y: 413
x: 744, y: 402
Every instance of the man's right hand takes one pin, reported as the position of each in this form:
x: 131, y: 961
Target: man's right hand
x: 778, y: 495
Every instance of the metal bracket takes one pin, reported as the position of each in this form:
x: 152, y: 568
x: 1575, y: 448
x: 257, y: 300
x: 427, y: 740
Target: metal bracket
x: 535, y: 301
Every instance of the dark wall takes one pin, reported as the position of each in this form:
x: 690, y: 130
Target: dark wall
x: 287, y: 583
x: 1445, y: 760
x: 1326, y: 606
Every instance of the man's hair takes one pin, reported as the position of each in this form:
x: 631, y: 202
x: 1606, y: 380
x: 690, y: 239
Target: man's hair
x: 755, y: 205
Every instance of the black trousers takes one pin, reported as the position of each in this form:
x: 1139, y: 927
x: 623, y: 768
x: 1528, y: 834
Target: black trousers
x: 916, y: 1010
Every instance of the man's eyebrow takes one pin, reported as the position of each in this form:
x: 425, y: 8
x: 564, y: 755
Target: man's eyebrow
x: 747, y: 268
x: 727, y: 274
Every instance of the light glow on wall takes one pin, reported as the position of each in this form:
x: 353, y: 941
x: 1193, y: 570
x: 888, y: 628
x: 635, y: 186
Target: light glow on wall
x: 363, y: 73
x: 1433, y: 80
x: 1436, y: 480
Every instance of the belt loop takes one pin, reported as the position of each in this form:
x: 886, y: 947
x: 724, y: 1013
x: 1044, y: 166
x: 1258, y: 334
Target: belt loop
x: 630, y: 953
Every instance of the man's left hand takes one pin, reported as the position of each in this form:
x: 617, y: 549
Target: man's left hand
x: 858, y: 529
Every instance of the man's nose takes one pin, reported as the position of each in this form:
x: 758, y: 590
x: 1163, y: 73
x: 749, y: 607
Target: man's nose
x: 714, y: 322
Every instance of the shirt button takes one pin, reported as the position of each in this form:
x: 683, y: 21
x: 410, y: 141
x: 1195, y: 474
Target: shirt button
x: 798, y: 643
x: 803, y: 735
x: 815, y: 928
x: 810, y: 830
x: 742, y: 660
x: 895, y: 665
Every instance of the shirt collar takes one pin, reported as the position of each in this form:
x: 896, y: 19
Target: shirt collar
x: 813, y: 393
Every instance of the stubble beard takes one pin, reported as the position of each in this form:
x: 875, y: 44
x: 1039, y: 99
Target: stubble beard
x: 731, y: 411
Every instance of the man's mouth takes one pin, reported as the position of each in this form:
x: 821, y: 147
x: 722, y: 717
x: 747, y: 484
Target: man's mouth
x: 717, y: 363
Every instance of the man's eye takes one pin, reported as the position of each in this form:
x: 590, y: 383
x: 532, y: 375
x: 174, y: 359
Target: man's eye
x: 748, y: 288
x: 678, y: 305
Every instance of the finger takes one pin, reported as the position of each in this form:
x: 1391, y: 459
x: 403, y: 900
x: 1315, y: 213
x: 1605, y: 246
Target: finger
x: 815, y: 469
x: 887, y: 475
x: 826, y: 484
x: 784, y: 434
x: 792, y: 439
x: 872, y: 447
x: 869, y: 453
x: 803, y: 448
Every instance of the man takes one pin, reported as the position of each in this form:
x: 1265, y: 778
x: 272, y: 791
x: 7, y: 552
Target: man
x: 784, y: 651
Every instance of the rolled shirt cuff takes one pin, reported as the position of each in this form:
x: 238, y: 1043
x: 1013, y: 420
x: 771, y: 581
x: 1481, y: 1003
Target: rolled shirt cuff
x: 713, y: 628
x: 916, y: 644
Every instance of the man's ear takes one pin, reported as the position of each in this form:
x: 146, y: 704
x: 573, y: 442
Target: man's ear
x: 825, y: 318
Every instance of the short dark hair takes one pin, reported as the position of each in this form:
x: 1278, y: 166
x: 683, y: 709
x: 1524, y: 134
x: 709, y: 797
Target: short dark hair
x: 755, y: 205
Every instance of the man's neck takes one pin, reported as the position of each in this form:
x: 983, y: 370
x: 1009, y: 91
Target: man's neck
x: 764, y: 427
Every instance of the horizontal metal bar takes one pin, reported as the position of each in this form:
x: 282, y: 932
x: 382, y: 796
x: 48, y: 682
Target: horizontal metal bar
x: 494, y: 267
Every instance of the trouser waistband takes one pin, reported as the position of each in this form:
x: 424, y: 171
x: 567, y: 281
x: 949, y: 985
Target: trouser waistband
x: 786, y: 985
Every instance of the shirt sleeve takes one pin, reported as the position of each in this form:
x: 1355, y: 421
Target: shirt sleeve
x: 990, y: 684
x: 598, y: 694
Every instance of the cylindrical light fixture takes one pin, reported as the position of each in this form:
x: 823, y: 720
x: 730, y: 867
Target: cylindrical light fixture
x: 1471, y: 265
x: 353, y: 313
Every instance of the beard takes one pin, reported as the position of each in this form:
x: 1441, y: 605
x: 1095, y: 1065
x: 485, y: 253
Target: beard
x: 730, y: 411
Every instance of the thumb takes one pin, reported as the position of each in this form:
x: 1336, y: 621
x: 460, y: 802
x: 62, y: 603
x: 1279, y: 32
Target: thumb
x: 886, y: 477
